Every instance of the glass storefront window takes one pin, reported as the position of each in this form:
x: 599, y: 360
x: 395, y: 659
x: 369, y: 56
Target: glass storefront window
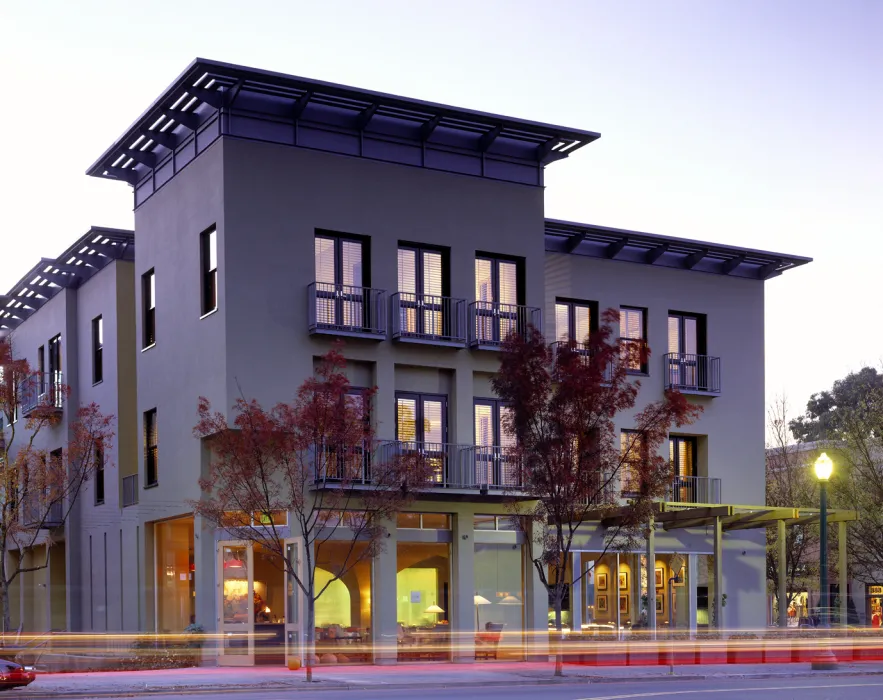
x: 176, y: 589
x: 235, y: 592
x: 499, y: 601
x: 425, y: 521
x: 343, y: 610
x: 424, y: 596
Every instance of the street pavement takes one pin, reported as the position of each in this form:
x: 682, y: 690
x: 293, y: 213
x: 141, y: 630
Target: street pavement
x: 830, y: 688
x: 484, y: 680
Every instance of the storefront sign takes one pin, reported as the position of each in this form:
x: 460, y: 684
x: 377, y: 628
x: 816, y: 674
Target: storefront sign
x: 875, y: 590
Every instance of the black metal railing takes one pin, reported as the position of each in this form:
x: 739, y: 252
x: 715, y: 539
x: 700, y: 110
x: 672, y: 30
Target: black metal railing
x: 130, y: 490
x: 347, y: 310
x: 428, y: 318
x: 694, y: 489
x: 490, y: 323
x: 344, y: 463
x: 582, y: 350
x: 438, y: 461
x: 39, y: 513
x: 687, y: 372
x: 41, y: 390
x: 490, y: 467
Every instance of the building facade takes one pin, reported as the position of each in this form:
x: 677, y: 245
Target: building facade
x: 275, y: 215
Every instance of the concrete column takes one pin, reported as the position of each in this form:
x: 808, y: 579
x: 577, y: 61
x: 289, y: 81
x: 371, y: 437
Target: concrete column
x: 462, y: 615
x: 718, y: 573
x: 384, y: 400
x: 383, y: 595
x: 692, y: 584
x: 576, y: 598
x: 781, y: 537
x: 205, y: 563
x: 651, y: 576
x: 841, y: 566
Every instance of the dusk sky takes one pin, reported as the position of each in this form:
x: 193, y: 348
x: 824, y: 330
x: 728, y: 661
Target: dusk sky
x: 756, y: 123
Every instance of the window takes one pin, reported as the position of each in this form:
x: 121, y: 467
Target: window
x: 55, y: 376
x: 41, y: 369
x: 99, y: 473
x: 424, y: 521
x: 422, y: 286
x: 421, y: 424
x: 633, y: 334
x: 497, y: 294
x: 97, y: 349
x: 341, y: 278
x: 686, y: 334
x: 148, y: 293
x: 682, y: 454
x: 575, y: 320
x: 208, y: 244
x: 494, y: 465
x: 150, y: 449
x: 633, y: 454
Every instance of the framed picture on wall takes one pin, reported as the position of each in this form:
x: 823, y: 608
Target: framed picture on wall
x: 602, y: 581
x: 623, y: 604
x: 660, y: 577
x: 660, y: 603
x: 602, y: 604
x: 623, y: 581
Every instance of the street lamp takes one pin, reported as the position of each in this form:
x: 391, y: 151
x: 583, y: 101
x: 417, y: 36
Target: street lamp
x: 825, y: 659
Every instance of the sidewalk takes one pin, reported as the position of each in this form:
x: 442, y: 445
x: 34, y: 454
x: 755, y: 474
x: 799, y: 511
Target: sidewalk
x: 217, y: 680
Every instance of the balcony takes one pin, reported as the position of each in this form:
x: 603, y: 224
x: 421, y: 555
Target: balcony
x: 694, y: 489
x: 343, y: 310
x: 583, y: 350
x: 428, y: 319
x: 692, y: 374
x: 43, y: 390
x: 36, y: 514
x: 440, y: 459
x: 489, y: 468
x: 491, y: 323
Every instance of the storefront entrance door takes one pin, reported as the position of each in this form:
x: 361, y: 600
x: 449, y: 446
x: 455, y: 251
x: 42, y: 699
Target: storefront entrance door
x: 235, y: 607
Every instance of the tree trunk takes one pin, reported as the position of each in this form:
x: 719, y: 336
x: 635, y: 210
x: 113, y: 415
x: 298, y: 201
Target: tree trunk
x: 310, y: 650
x: 559, y: 635
x: 4, y: 594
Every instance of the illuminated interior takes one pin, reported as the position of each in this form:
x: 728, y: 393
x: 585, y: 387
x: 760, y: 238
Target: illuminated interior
x: 423, y: 600
x: 176, y: 591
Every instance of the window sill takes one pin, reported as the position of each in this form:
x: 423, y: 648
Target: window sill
x: 99, y: 503
x: 151, y: 486
x: 209, y: 313
x: 100, y: 381
x: 148, y: 347
x: 637, y: 373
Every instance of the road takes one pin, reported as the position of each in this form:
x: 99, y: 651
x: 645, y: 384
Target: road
x: 852, y: 688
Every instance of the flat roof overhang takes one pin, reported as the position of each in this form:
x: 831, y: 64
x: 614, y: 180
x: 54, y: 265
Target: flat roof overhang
x: 211, y: 98
x: 622, y: 245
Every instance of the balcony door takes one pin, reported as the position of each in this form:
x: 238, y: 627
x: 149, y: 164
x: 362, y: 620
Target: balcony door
x: 55, y: 376
x: 685, y: 345
x: 421, y: 290
x: 496, y: 299
x: 682, y: 455
x: 493, y: 465
x: 573, y: 321
x: 422, y: 428
x: 340, y: 282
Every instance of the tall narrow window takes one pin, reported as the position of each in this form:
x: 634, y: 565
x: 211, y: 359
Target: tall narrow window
x: 341, y: 282
x: 41, y: 369
x: 682, y: 454
x: 632, y: 334
x: 421, y: 292
x: 686, y: 346
x: 497, y: 295
x: 575, y: 320
x: 633, y: 454
x: 97, y: 349
x: 55, y: 376
x: 151, y: 466
x: 99, y: 472
x: 208, y: 242
x: 422, y: 427
x: 148, y: 294
x: 494, y: 465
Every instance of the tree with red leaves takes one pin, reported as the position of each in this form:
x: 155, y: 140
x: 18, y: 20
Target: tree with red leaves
x: 40, y: 485
x: 313, y: 459
x: 572, y: 464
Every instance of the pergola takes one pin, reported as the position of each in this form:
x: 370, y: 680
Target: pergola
x: 726, y: 518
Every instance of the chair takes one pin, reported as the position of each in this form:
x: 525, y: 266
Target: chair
x: 486, y: 642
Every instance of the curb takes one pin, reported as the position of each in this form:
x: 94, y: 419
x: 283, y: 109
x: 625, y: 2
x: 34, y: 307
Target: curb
x: 337, y: 685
